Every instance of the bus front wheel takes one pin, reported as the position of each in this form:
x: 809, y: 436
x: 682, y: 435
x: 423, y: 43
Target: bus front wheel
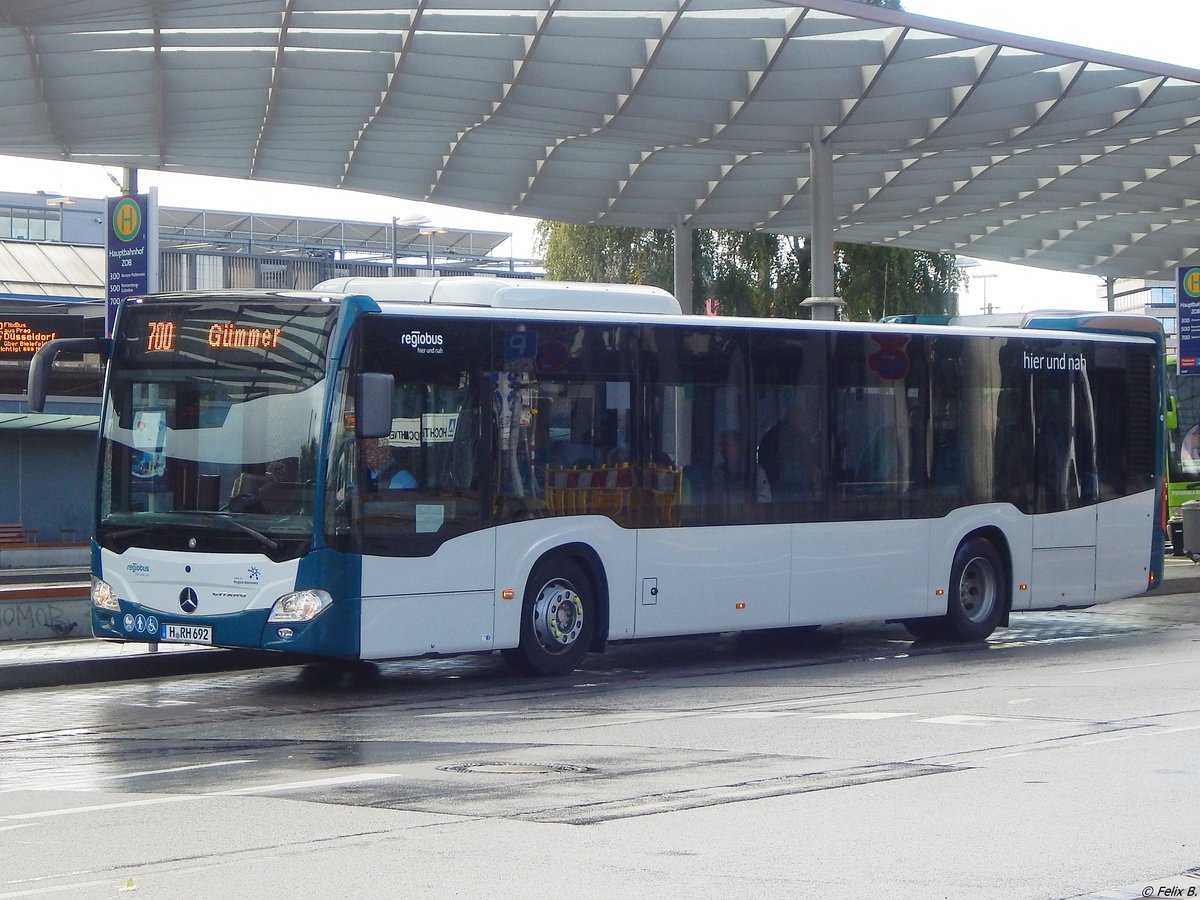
x: 557, y: 618
x: 975, y: 605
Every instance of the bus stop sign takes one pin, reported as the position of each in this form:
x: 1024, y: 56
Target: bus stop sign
x: 1189, y: 319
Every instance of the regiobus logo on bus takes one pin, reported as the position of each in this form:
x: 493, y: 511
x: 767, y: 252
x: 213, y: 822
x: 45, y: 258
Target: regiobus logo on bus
x: 423, y: 341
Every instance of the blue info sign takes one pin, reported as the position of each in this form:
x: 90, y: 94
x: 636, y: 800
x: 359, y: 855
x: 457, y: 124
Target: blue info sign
x: 128, y: 250
x: 1189, y: 319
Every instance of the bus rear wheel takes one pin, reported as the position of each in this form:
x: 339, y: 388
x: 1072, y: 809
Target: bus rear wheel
x: 557, y: 618
x: 975, y: 605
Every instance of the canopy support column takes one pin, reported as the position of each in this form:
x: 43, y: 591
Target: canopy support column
x: 824, y: 303
x: 683, y: 265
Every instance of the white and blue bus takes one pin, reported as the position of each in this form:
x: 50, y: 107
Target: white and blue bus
x: 395, y: 468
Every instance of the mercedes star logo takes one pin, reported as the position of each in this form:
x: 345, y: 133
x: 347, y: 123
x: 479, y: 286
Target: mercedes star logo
x: 188, y: 601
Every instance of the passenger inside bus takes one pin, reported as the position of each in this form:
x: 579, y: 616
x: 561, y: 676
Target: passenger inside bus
x: 730, y: 478
x: 787, y: 454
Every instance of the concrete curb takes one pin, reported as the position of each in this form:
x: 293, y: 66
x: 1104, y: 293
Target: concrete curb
x: 1180, y: 578
x: 60, y: 672
x: 1189, y: 585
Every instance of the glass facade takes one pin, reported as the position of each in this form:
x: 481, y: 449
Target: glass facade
x: 30, y: 224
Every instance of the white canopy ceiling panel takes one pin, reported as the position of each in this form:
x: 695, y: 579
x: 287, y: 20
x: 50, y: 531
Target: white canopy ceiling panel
x: 638, y: 112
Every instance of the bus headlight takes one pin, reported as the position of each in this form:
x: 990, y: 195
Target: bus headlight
x: 301, y: 606
x: 103, y: 596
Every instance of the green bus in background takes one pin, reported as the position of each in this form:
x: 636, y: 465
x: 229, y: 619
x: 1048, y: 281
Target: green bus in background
x: 1183, y: 447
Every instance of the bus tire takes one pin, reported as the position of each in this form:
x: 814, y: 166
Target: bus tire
x: 977, y: 589
x: 557, y: 619
x: 975, y: 606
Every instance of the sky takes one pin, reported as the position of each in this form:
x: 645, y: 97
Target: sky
x: 1160, y: 30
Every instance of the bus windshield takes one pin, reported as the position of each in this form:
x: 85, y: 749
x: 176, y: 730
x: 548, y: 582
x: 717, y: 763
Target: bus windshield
x: 212, y: 422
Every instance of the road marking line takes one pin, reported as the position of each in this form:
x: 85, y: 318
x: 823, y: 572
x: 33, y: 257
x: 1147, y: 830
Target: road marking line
x: 99, y: 807
x: 59, y: 888
x: 1154, y: 665
x: 215, y: 765
x: 38, y: 735
x: 470, y: 714
x: 966, y: 720
x: 300, y: 785
x: 182, y: 798
x: 867, y: 716
x: 1143, y: 731
x: 1110, y: 740
x: 754, y: 715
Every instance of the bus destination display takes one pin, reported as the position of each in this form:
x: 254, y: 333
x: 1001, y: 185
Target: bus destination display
x: 160, y: 337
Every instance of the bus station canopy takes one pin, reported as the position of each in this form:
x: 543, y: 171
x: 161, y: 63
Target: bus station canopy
x: 651, y: 113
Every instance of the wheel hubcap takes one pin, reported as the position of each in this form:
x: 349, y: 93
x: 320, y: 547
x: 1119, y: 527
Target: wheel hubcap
x: 557, y: 616
x: 977, y: 589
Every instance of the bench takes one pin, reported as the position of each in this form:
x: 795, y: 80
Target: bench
x: 12, y: 534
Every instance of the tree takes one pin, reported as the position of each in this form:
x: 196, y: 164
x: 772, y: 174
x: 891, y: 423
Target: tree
x: 606, y: 254
x: 885, y: 281
x: 755, y: 273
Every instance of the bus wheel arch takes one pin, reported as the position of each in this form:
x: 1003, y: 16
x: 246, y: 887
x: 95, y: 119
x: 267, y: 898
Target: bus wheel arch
x: 564, y: 612
x: 979, y: 591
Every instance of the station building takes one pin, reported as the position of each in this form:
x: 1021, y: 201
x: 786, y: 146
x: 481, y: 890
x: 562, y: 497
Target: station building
x: 1150, y: 298
x: 52, y: 277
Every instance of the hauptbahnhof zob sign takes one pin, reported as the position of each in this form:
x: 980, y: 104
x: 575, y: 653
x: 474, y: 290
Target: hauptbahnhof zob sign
x: 130, y: 251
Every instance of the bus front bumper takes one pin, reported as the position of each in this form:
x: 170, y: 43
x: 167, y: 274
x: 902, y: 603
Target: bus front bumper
x: 333, y: 633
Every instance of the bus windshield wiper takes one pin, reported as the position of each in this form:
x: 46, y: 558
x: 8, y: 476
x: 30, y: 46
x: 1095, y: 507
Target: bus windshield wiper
x: 257, y: 535
x: 224, y: 518
x: 121, y: 533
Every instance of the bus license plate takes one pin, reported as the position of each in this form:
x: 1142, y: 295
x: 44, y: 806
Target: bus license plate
x: 187, y: 634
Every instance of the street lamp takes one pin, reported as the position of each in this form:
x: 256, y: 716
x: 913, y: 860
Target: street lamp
x: 406, y: 222
x: 429, y: 233
x: 986, y: 306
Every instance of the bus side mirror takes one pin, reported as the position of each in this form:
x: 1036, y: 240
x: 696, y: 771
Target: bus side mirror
x: 373, y: 404
x: 43, y: 362
x: 1172, y: 420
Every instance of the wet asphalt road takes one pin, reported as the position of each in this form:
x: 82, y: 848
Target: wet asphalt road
x: 1058, y: 759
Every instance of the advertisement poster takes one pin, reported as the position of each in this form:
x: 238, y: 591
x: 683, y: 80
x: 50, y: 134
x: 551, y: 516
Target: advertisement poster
x: 149, y: 433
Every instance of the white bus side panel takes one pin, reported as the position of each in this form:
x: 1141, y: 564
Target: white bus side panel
x: 1063, y: 576
x: 1070, y: 528
x: 1124, y: 536
x: 691, y: 580
x: 859, y: 571
x: 1064, y: 558
x: 521, y: 544
x: 444, y: 603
